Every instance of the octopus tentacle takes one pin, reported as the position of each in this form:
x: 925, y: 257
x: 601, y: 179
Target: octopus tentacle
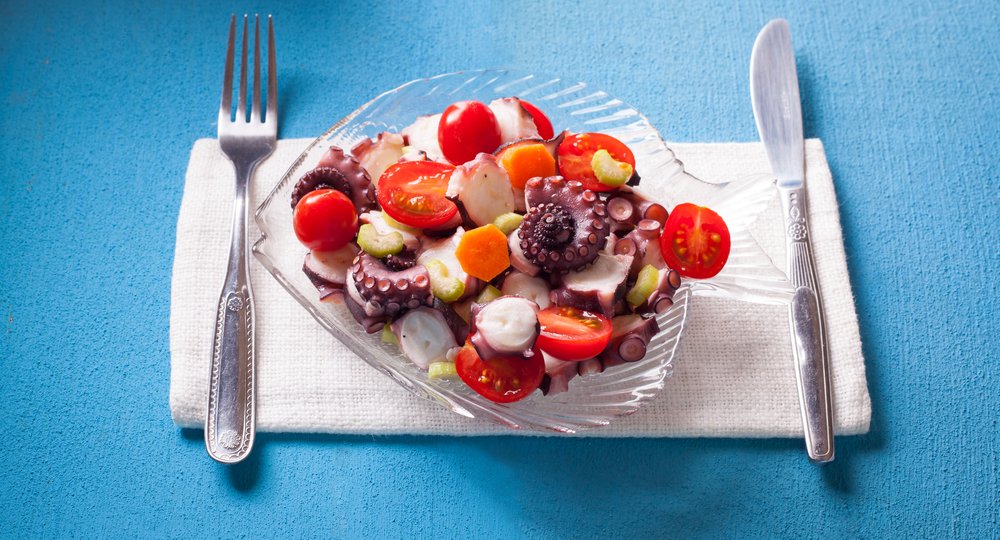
x: 566, y: 226
x: 360, y: 187
x: 389, y: 292
x: 319, y: 178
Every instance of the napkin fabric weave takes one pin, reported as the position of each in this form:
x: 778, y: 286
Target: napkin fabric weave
x: 733, y: 375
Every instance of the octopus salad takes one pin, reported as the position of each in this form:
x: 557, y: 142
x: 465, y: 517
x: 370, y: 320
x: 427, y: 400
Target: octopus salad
x: 489, y: 248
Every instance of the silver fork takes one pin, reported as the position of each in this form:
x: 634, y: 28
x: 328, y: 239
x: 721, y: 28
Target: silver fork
x: 231, y: 422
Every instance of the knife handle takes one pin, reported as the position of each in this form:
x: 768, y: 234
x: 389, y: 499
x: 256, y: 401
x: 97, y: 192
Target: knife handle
x: 812, y: 366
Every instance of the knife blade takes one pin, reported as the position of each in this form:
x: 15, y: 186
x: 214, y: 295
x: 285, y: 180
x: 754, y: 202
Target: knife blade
x: 774, y: 93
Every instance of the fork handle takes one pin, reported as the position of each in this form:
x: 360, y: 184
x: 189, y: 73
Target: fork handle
x: 231, y: 421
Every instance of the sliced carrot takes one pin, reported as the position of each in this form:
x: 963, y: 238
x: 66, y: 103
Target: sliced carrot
x: 482, y: 252
x: 526, y: 161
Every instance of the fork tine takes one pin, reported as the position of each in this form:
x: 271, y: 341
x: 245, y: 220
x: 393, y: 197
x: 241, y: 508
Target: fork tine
x: 255, y: 106
x: 241, y: 105
x: 272, y: 75
x: 225, y: 109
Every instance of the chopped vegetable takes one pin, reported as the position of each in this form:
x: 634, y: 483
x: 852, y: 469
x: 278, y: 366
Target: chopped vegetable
x: 482, y: 252
x: 379, y: 245
x: 644, y: 286
x: 388, y: 336
x: 441, y: 370
x: 489, y: 294
x: 397, y: 225
x: 444, y: 285
x: 610, y: 171
x: 524, y: 161
x: 508, y: 222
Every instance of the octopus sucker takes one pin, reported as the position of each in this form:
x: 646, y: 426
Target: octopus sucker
x: 563, y: 222
x: 340, y: 171
x: 386, y: 291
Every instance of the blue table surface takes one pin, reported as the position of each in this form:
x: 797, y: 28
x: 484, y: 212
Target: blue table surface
x: 101, y: 102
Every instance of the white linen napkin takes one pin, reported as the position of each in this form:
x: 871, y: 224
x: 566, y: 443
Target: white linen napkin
x: 733, y: 376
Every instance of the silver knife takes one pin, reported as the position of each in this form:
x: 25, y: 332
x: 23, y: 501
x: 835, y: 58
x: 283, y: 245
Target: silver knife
x: 774, y: 91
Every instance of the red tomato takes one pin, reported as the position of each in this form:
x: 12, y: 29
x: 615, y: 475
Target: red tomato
x: 466, y: 129
x: 542, y: 122
x: 577, y: 150
x: 695, y: 241
x: 503, y: 379
x: 325, y: 220
x: 572, y: 334
x: 412, y: 193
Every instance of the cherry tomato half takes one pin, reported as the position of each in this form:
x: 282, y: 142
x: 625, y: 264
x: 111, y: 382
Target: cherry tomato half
x: 576, y: 152
x: 466, y: 129
x: 502, y: 379
x: 542, y: 122
x: 412, y: 193
x: 572, y: 334
x: 695, y: 241
x: 325, y: 220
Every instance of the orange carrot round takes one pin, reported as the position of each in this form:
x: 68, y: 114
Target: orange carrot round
x: 524, y: 161
x: 482, y: 252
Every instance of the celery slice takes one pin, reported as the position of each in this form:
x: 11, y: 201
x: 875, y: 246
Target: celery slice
x: 489, y: 294
x: 441, y: 370
x: 644, y: 286
x: 610, y: 171
x: 508, y: 222
x: 446, y: 287
x: 388, y: 336
x: 379, y: 245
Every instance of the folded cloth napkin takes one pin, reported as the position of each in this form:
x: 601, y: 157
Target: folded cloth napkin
x: 733, y: 376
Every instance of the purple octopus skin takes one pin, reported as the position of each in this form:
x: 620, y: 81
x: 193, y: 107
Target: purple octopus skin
x: 598, y: 288
x: 355, y: 305
x: 591, y: 366
x: 491, y: 346
x: 566, y: 226
x: 557, y: 375
x: 361, y: 190
x: 643, y: 244
x: 459, y: 328
x: 629, y: 340
x: 319, y: 178
x: 662, y: 297
x: 622, y: 215
x: 644, y: 208
x: 327, y: 289
x: 389, y: 292
x: 327, y: 270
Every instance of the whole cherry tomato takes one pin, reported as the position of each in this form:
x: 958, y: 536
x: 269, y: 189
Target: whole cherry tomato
x: 325, y: 220
x: 542, y: 122
x: 695, y: 241
x: 466, y: 129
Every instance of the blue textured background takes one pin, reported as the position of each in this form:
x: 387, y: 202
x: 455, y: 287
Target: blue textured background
x: 102, y: 101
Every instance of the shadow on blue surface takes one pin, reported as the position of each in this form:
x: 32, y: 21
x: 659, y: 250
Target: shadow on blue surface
x: 576, y: 474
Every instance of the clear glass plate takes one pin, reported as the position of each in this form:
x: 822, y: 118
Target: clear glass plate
x: 594, y: 400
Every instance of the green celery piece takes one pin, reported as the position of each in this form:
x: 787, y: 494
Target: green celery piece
x: 446, y: 287
x: 610, y: 171
x: 388, y: 336
x: 508, y: 222
x: 379, y: 245
x: 644, y: 286
x: 489, y: 294
x: 441, y: 370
